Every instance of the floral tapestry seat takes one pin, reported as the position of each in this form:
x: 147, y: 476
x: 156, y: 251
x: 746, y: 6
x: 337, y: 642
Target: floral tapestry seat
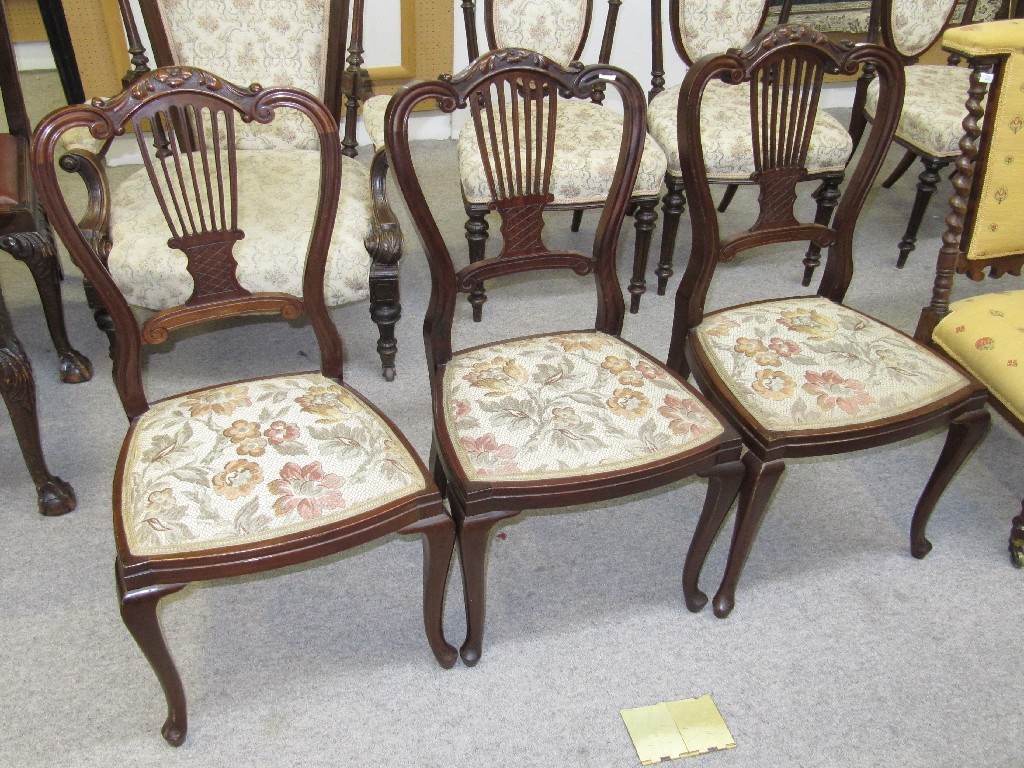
x: 567, y: 405
x: 809, y: 363
x: 256, y: 460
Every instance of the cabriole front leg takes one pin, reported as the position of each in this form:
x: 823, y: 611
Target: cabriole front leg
x: 438, y: 545
x: 723, y: 487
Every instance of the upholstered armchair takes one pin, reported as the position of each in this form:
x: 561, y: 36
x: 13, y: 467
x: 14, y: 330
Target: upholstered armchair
x: 299, y: 43
x: 985, y: 227
x: 709, y: 27
x: 588, y: 135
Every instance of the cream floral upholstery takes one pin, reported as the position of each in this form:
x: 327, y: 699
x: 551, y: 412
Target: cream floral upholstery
x: 283, y: 42
x: 567, y: 405
x: 373, y: 118
x: 725, y: 133
x: 587, y: 138
x: 916, y: 23
x: 715, y: 26
x: 270, y: 256
x: 985, y: 334
x: 551, y: 27
x: 257, y: 460
x: 848, y: 17
x: 808, y: 363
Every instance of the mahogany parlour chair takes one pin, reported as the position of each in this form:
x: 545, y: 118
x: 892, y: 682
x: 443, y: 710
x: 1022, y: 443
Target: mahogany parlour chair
x: 933, y: 105
x: 299, y: 43
x: 588, y: 133
x: 806, y: 375
x: 252, y: 475
x: 559, y: 418
x: 985, y: 229
x: 24, y: 231
x: 710, y: 27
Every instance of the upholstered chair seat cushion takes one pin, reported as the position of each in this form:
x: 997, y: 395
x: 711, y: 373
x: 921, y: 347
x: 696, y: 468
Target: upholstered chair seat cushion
x: 586, y: 150
x: 933, y: 108
x: 808, y: 363
x: 256, y: 460
x: 276, y: 218
x: 726, y: 138
x: 985, y: 334
x: 567, y: 405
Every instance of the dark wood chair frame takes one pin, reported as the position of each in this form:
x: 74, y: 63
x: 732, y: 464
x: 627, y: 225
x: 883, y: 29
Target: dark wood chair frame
x: 478, y: 505
x: 24, y: 232
x: 960, y: 223
x: 158, y: 97
x: 880, y: 30
x: 344, y: 88
x: 643, y: 208
x: 780, y: 169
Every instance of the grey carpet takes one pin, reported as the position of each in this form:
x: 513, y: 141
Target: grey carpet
x: 842, y: 650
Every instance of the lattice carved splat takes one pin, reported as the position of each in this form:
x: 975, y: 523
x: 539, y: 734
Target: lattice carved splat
x: 522, y: 223
x: 778, y: 196
x: 211, y: 264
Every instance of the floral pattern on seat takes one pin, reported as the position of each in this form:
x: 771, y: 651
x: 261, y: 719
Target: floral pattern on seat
x: 985, y: 334
x: 933, y: 108
x: 567, y: 405
x: 587, y: 138
x: 726, y: 138
x: 551, y: 27
x: 276, y: 207
x: 256, y: 460
x: 808, y: 363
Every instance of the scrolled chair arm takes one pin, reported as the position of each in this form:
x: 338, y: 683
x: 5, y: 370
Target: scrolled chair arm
x: 384, y: 240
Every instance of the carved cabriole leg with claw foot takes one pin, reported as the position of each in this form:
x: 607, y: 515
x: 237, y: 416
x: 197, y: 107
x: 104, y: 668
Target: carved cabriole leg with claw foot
x: 926, y: 185
x: 827, y: 195
x: 672, y: 207
x: 474, y: 533
x: 18, y: 389
x: 1017, y: 539
x: 139, y: 613
x: 645, y: 218
x: 964, y: 433
x: 438, y: 544
x: 40, y: 256
x: 758, y: 485
x: 723, y: 486
x: 476, y: 234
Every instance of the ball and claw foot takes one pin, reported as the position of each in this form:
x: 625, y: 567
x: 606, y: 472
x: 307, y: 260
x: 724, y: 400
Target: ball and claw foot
x: 75, y: 368
x: 173, y: 733
x: 695, y: 603
x: 56, y: 497
x: 920, y: 548
x: 723, y: 605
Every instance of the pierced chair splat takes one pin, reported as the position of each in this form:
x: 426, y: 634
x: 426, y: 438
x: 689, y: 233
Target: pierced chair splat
x: 252, y: 475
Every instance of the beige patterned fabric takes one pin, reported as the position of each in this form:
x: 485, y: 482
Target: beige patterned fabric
x: 985, y: 10
x: 725, y: 133
x: 567, y: 405
x: 847, y: 17
x: 277, y: 201
x: 916, y: 23
x: 808, y: 363
x: 552, y: 27
x: 933, y: 108
x: 587, y: 138
x: 373, y: 118
x: 715, y: 26
x: 77, y: 139
x: 274, y: 42
x: 256, y: 460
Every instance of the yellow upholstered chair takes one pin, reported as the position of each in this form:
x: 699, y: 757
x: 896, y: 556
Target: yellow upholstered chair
x: 985, y: 229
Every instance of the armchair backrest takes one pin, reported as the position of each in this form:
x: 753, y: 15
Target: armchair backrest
x: 514, y: 95
x: 985, y: 227
x: 185, y: 122
x: 296, y: 43
x: 702, y: 27
x: 911, y: 27
x: 783, y: 69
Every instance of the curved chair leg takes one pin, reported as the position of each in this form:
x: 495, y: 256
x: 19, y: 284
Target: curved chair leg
x: 827, y: 195
x: 902, y: 167
x: 1017, y: 539
x: 138, y: 611
x: 760, y: 481
x: 926, y: 184
x: 723, y: 486
x: 577, y: 220
x: 730, y: 193
x: 437, y: 471
x: 476, y: 234
x: 438, y: 545
x: 40, y: 256
x: 672, y: 207
x: 645, y: 217
x: 474, y: 533
x: 385, y: 311
x: 18, y: 389
x: 964, y: 433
